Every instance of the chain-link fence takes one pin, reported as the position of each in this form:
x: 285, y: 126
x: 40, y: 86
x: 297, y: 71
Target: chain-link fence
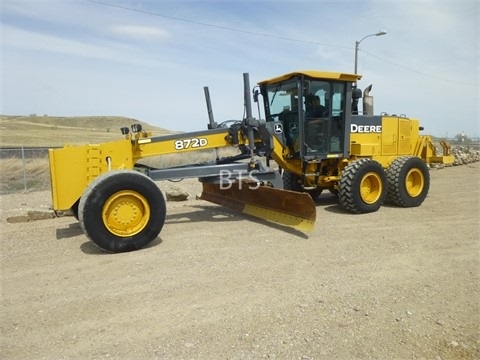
x: 23, y: 169
x: 27, y: 168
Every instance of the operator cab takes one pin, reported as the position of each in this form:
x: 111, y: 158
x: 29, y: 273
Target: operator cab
x: 309, y: 112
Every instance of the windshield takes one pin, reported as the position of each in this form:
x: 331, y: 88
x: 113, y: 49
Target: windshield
x: 282, y: 97
x: 316, y: 128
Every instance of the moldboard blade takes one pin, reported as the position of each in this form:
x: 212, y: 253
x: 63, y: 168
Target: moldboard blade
x: 285, y: 207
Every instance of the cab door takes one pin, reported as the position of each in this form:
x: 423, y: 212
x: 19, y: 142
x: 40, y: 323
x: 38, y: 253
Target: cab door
x: 324, y: 119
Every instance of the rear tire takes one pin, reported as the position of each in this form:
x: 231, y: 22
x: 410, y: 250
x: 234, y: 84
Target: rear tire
x: 122, y: 211
x: 74, y: 209
x: 408, y: 181
x: 362, y: 186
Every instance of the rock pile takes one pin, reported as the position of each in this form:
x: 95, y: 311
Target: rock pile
x: 465, y: 155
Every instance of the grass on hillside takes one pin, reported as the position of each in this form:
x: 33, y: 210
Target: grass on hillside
x: 48, y: 131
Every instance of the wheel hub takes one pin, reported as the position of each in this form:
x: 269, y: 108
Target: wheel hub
x: 414, y: 182
x: 371, y: 187
x: 126, y: 213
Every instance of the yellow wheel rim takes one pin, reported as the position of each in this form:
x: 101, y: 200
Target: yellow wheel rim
x: 371, y: 187
x: 414, y: 182
x: 126, y: 213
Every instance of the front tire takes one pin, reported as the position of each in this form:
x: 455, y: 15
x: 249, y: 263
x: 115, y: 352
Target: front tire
x: 408, y: 181
x: 292, y: 182
x: 122, y: 211
x: 362, y: 186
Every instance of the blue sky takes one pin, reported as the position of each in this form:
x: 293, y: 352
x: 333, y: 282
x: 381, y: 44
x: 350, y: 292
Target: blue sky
x: 150, y: 60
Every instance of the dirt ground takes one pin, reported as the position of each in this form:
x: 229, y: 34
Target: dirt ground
x: 394, y: 284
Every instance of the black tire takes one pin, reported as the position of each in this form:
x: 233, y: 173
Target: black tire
x: 122, y: 211
x: 74, y: 209
x: 408, y: 181
x: 363, y: 186
x: 292, y: 182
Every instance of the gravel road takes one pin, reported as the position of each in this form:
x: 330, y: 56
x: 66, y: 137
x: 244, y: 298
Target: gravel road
x: 394, y: 284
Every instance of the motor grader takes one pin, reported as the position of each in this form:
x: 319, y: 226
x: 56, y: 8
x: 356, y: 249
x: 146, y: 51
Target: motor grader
x: 311, y: 129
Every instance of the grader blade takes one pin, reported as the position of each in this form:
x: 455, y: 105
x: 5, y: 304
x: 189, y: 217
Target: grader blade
x: 285, y: 207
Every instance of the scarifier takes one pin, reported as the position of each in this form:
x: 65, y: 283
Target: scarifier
x: 312, y: 131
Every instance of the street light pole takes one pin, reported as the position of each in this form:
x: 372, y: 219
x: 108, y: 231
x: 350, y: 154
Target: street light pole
x: 357, y: 43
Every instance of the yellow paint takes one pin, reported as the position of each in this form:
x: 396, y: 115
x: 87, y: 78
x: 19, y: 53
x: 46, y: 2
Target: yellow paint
x: 126, y: 213
x: 279, y: 217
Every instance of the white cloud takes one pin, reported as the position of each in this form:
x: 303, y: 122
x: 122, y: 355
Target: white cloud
x: 140, y: 32
x: 105, y: 50
x: 29, y: 40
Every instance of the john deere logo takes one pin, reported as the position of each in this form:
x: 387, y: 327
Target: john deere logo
x: 278, y: 128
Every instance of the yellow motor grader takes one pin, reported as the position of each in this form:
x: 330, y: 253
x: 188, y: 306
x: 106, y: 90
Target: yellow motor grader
x: 311, y: 129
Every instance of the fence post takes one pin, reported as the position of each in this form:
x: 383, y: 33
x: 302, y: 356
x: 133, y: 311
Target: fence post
x: 24, y: 170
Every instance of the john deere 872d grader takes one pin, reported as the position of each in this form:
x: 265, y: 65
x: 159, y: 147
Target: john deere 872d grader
x: 312, y: 130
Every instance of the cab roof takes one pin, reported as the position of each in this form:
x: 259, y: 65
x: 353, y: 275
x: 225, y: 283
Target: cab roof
x: 314, y: 74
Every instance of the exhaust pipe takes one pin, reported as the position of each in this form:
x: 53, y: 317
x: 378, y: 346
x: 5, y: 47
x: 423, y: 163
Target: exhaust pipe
x: 211, y: 121
x: 249, y: 120
x: 367, y: 101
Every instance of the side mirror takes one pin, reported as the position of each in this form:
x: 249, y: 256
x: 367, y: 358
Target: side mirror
x: 356, y: 93
x: 255, y: 95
